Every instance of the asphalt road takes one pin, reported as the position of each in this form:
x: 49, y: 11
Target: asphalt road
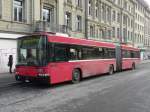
x: 128, y: 91
x: 6, y: 79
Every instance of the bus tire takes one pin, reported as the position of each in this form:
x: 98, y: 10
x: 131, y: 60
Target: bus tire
x: 133, y: 66
x: 111, y: 70
x: 76, y: 76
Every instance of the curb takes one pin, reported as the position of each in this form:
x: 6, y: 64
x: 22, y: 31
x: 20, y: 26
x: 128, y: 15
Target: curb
x: 145, y: 62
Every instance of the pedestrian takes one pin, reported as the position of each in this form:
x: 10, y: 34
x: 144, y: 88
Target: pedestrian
x: 10, y: 63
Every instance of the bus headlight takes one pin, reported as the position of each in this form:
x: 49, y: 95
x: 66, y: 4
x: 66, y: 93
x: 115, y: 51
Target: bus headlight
x: 43, y: 75
x: 42, y: 72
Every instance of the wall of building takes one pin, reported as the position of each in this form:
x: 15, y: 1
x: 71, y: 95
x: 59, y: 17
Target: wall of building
x: 9, y: 48
x: 72, y: 8
x: 133, y: 10
x: 111, y: 20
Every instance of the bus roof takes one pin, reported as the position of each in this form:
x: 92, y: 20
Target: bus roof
x: 52, y: 37
x: 76, y: 41
x: 126, y: 47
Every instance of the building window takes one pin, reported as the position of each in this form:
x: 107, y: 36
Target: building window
x: 91, y: 31
x: 129, y: 8
x: 109, y: 34
x: 47, y: 14
x: 69, y: 1
x: 103, y: 13
x: 109, y: 15
x: 96, y: 9
x: 99, y: 33
x: 18, y: 10
x: 114, y: 1
x: 68, y: 19
x: 118, y: 17
x: 125, y: 5
x: 135, y: 38
x: 90, y: 7
x: 79, y: 3
x: 118, y: 32
x: 103, y: 34
x: 125, y: 20
x: 113, y: 32
x: 132, y: 10
x: 79, y: 23
x: 0, y: 9
x: 131, y: 36
x: 128, y: 35
x: 128, y: 22
x: 131, y: 23
x: 124, y: 34
x: 119, y: 2
x: 114, y: 16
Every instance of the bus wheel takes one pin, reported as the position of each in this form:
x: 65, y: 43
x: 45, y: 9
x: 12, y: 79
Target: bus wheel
x: 76, y: 76
x: 133, y: 66
x: 111, y: 70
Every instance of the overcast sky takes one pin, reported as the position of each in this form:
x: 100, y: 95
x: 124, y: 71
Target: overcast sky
x: 148, y: 1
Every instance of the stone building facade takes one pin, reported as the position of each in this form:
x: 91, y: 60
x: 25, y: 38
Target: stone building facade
x: 147, y: 34
x: 139, y: 23
x: 114, y: 20
x: 111, y: 20
x: 71, y: 14
x: 119, y: 21
x: 141, y: 34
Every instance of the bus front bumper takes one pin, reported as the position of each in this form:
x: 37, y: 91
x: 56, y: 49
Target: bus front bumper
x: 43, y: 79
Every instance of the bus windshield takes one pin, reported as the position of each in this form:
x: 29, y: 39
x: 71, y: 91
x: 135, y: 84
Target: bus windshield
x: 32, y: 51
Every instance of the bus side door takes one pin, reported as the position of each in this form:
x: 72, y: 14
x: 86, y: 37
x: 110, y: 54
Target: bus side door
x: 60, y: 69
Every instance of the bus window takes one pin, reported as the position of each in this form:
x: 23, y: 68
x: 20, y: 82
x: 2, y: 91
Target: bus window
x: 32, y: 51
x: 87, y: 53
x: 109, y: 53
x: 50, y: 53
x: 97, y: 53
x: 60, y: 53
x: 132, y: 54
x: 136, y: 54
x: 128, y: 54
x: 73, y: 54
x: 80, y: 54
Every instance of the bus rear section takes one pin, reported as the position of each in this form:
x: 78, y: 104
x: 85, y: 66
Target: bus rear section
x: 130, y: 57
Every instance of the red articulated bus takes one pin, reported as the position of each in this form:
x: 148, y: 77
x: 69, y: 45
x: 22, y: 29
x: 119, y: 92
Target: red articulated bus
x: 54, y: 59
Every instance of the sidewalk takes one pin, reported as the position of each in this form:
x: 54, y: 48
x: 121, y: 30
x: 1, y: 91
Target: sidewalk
x: 145, y: 61
x: 6, y: 78
x: 6, y: 75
